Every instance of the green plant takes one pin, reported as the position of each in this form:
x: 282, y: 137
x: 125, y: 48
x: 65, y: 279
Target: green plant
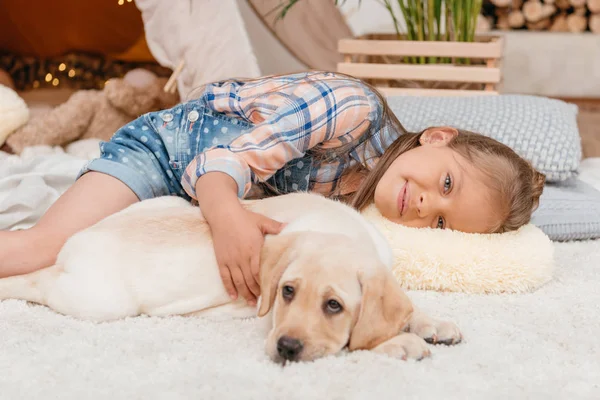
x: 436, y: 20
x: 450, y: 20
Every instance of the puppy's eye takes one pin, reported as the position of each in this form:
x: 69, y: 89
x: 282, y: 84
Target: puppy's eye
x: 287, y: 292
x: 333, y: 307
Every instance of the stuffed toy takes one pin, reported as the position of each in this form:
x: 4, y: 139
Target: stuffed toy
x: 14, y: 113
x: 95, y: 114
x: 6, y: 80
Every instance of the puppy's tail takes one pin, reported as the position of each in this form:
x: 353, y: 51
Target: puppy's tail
x: 31, y: 287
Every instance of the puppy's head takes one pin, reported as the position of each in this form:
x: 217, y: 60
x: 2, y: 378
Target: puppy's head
x: 325, y: 293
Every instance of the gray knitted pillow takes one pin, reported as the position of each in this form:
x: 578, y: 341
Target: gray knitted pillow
x: 543, y: 131
x: 569, y: 210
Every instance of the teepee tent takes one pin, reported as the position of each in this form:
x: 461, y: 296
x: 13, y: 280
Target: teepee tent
x: 208, y: 40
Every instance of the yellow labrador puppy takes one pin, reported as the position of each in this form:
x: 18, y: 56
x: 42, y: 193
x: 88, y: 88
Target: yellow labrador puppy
x: 325, y: 279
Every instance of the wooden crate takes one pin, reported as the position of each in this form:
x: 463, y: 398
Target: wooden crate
x: 379, y: 60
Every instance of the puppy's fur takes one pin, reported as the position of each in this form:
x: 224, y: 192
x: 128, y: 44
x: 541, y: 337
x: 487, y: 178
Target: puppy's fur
x: 325, y: 278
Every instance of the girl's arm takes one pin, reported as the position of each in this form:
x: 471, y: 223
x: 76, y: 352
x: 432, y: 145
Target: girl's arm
x: 314, y: 114
x: 310, y: 116
x: 237, y: 233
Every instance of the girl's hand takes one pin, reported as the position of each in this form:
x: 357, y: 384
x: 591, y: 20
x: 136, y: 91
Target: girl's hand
x: 238, y: 238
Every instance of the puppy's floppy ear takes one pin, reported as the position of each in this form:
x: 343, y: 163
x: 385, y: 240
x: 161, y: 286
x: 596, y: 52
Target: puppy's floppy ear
x: 276, y: 255
x: 384, y: 311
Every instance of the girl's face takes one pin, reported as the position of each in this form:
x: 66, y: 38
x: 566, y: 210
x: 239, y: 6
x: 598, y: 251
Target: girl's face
x: 433, y: 186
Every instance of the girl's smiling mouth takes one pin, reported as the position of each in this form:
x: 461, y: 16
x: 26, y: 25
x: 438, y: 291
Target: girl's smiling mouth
x: 403, y: 198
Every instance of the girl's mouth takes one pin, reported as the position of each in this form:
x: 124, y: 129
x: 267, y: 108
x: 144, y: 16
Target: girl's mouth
x: 403, y: 198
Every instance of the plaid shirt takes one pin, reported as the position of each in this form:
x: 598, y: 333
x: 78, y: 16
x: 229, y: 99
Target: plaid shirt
x: 291, y: 115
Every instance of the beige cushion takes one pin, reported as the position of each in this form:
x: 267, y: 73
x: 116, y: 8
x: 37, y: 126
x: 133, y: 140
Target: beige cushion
x: 443, y: 260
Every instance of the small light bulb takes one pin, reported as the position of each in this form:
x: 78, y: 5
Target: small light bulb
x: 62, y: 67
x: 48, y: 77
x: 121, y: 2
x: 71, y: 73
x: 55, y: 82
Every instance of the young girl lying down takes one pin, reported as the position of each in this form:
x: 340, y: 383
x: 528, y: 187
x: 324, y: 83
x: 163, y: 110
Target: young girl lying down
x: 317, y: 131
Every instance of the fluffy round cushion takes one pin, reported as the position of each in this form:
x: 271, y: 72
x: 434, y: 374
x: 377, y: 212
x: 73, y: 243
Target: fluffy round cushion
x: 443, y: 260
x: 13, y: 112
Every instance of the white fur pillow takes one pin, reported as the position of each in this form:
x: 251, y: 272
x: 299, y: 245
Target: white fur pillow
x: 452, y: 261
x: 13, y: 112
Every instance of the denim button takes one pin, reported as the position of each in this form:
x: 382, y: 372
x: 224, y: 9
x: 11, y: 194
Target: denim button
x: 193, y: 116
x: 167, y: 117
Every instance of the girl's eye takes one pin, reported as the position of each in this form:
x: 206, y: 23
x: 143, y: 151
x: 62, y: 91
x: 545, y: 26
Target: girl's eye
x: 287, y: 292
x: 441, y: 223
x: 447, y: 184
x: 333, y: 307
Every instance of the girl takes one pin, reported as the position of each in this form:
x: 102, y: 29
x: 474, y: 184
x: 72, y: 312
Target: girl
x: 317, y: 131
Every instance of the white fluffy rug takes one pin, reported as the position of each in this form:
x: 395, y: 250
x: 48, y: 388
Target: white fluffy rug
x: 542, y: 345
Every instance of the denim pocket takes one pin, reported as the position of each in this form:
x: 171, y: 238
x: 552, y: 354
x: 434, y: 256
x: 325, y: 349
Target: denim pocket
x: 293, y: 176
x: 219, y: 130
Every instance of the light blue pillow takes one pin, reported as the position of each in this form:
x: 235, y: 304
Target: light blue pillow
x: 541, y: 130
x: 569, y: 210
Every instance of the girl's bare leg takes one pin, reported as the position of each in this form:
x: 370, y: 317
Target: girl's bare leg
x: 93, y: 197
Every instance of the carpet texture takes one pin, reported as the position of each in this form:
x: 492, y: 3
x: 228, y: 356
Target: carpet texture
x: 542, y: 345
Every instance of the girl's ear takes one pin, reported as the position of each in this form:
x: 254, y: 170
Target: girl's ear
x: 438, y: 136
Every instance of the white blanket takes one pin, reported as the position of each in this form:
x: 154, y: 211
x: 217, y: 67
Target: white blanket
x: 31, y: 182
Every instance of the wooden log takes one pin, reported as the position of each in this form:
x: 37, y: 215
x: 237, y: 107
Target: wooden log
x: 532, y: 10
x: 576, y: 23
x: 562, y: 4
x: 502, y: 22
x: 517, y: 4
x: 595, y: 23
x: 559, y: 24
x: 501, y: 11
x: 484, y: 24
x: 540, y: 25
x: 516, y: 19
x: 501, y: 3
x: 549, y: 1
x: 535, y: 11
x: 593, y: 6
x: 577, y: 3
x: 581, y: 11
x: 548, y: 10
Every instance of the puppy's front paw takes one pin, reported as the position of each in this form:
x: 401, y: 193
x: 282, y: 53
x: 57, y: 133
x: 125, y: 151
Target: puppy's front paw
x: 404, y: 346
x: 434, y: 331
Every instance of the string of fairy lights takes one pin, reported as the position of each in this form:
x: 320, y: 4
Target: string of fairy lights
x: 49, y: 78
x: 73, y: 70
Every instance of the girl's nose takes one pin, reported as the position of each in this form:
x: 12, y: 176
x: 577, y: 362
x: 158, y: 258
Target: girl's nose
x: 427, y: 204
x: 421, y: 206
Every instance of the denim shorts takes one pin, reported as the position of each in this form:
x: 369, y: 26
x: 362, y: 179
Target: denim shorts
x: 150, y: 154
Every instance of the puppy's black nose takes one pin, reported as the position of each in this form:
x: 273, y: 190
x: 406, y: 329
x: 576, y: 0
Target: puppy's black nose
x: 289, y: 348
